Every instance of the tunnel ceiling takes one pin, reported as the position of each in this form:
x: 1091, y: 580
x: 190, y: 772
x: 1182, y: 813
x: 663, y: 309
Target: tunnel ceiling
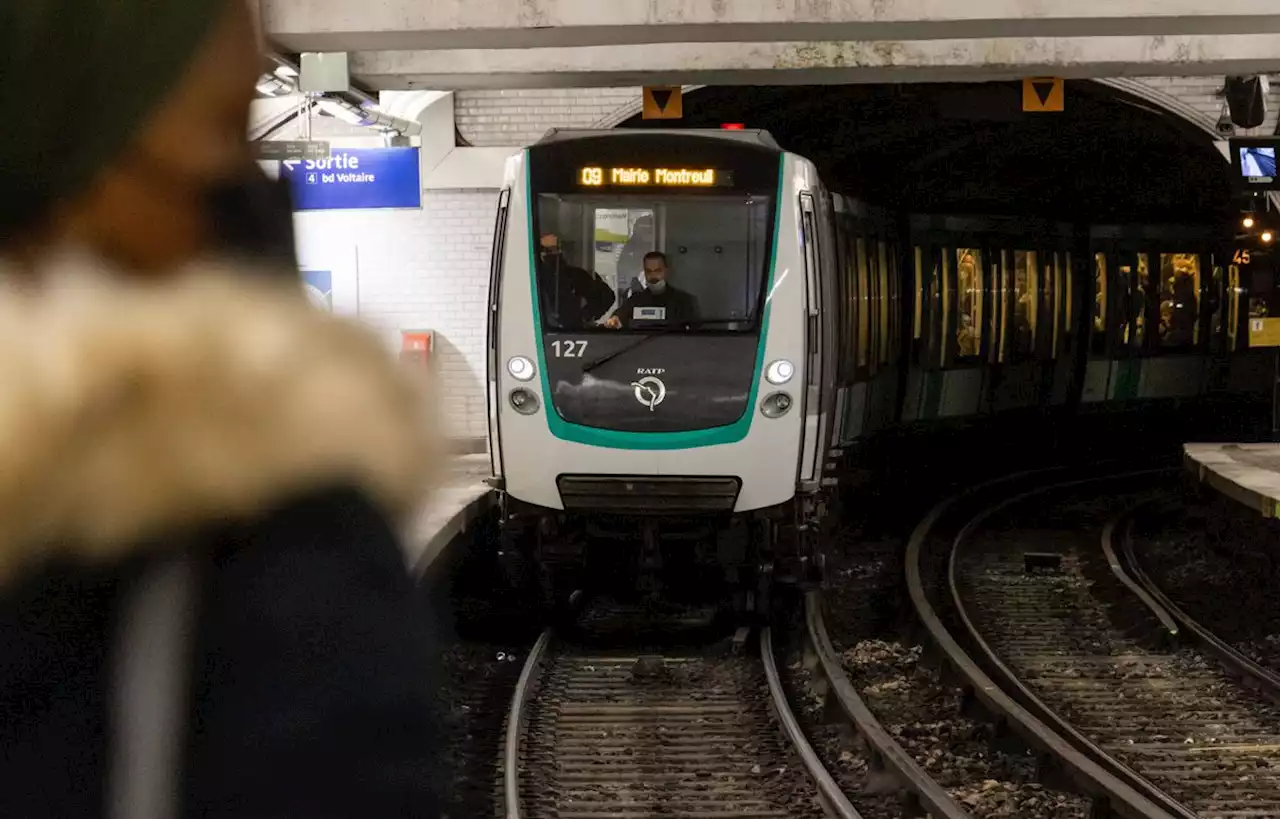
x: 969, y: 148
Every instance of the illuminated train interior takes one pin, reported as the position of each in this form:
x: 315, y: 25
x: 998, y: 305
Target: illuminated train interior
x: 1098, y: 260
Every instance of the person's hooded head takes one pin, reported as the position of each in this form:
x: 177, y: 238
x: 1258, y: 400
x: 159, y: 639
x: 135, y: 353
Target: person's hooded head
x: 129, y: 126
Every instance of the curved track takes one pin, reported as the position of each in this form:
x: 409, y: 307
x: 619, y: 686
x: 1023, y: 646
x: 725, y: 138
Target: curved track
x: 922, y: 794
x: 1082, y: 670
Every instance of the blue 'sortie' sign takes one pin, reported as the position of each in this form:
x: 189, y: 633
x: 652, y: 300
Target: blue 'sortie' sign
x: 355, y: 179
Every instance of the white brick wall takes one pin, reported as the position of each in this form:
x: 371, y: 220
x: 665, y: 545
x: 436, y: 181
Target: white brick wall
x: 521, y: 117
x: 426, y: 270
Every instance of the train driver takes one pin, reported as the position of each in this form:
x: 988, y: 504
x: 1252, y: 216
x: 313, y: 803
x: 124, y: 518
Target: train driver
x: 572, y: 297
x: 658, y: 301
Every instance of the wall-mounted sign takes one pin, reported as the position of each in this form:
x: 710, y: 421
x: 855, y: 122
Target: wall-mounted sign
x: 662, y: 102
x: 1044, y: 94
x: 356, y: 179
x: 280, y: 149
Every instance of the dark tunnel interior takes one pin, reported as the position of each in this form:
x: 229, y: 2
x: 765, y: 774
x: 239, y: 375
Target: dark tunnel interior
x: 969, y: 148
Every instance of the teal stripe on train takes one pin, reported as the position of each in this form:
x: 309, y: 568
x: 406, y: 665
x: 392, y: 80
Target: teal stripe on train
x: 617, y: 439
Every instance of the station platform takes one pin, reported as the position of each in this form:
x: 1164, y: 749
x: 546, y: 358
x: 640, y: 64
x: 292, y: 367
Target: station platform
x: 460, y: 500
x: 1248, y: 473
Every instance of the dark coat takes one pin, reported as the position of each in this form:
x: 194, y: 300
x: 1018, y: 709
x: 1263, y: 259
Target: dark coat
x: 571, y: 296
x: 280, y: 446
x: 680, y: 306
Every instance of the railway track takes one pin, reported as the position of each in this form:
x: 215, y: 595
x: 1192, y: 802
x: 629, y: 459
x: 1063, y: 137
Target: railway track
x: 598, y: 733
x: 1083, y: 659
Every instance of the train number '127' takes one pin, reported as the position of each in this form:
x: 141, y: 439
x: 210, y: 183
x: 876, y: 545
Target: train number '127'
x: 569, y: 349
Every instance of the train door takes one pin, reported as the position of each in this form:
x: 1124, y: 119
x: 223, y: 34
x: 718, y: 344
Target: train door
x: 1035, y: 312
x: 946, y: 379
x: 1108, y: 321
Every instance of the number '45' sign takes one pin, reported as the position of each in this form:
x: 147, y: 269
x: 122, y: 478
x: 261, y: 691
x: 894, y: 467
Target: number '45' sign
x: 1241, y: 257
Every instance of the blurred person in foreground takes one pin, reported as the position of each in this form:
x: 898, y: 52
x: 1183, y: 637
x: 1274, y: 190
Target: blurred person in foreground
x: 204, y: 607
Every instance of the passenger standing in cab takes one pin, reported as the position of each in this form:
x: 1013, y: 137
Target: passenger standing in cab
x: 574, y: 297
x: 204, y: 606
x: 658, y: 301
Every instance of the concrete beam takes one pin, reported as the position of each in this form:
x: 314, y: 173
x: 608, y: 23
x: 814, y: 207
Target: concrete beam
x: 352, y: 25
x: 818, y: 62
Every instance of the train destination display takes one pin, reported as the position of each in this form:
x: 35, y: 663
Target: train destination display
x: 595, y: 176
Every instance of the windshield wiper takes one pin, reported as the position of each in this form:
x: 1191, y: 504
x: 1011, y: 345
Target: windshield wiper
x: 670, y: 328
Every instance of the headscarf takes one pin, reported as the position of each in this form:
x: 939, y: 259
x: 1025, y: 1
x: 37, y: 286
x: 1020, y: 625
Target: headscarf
x: 78, y: 78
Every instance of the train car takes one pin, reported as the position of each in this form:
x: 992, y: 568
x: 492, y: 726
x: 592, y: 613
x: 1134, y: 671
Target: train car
x: 619, y: 428
x: 721, y: 435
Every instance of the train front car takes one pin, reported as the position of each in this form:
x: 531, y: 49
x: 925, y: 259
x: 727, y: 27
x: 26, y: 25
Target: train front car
x: 655, y: 378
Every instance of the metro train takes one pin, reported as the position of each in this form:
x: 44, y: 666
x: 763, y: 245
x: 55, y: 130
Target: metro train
x: 715, y: 439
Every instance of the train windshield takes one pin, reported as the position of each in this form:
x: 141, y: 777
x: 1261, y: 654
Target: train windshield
x: 693, y: 263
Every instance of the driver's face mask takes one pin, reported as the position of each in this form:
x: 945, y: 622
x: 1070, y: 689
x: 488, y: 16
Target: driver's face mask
x: 657, y: 287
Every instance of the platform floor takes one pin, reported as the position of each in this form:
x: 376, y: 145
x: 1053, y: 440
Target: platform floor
x: 1248, y: 473
x: 456, y: 504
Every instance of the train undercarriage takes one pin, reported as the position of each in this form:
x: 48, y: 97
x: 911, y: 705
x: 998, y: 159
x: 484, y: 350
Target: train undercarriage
x: 739, y: 559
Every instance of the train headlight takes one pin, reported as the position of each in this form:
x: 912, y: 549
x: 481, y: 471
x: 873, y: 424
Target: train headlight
x: 780, y: 372
x: 521, y: 368
x: 524, y: 401
x: 776, y: 405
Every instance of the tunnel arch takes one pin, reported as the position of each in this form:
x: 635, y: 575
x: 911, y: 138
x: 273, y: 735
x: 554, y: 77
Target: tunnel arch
x: 1113, y: 155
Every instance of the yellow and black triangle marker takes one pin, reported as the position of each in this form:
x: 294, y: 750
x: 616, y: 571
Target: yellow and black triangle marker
x: 1043, y: 94
x: 663, y: 102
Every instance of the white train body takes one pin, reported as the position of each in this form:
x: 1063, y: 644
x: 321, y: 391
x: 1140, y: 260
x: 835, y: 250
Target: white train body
x: 771, y: 457
x: 722, y: 416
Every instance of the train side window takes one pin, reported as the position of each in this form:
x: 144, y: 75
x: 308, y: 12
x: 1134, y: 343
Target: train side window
x: 969, y: 294
x: 1006, y: 295
x: 1179, y: 300
x: 1216, y: 299
x: 885, y: 300
x: 873, y: 309
x: 1026, y: 295
x: 994, y: 295
x: 851, y: 277
x: 942, y: 331
x: 1047, y: 319
x: 1125, y: 283
x: 864, y: 305
x: 895, y: 311
x: 1098, y: 341
x: 917, y: 320
x: 1141, y: 299
x: 1053, y: 278
x: 842, y: 298
x: 1069, y: 289
x: 894, y: 287
x: 1233, y: 306
x: 932, y: 336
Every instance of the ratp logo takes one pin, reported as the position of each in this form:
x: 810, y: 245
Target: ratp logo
x: 650, y: 391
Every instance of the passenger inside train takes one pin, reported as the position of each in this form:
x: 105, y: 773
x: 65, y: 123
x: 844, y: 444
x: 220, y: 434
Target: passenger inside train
x: 571, y: 296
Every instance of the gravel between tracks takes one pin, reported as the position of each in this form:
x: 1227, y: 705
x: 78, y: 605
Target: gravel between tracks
x: 846, y: 763
x: 481, y: 678
x: 1226, y: 583
x: 912, y: 702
